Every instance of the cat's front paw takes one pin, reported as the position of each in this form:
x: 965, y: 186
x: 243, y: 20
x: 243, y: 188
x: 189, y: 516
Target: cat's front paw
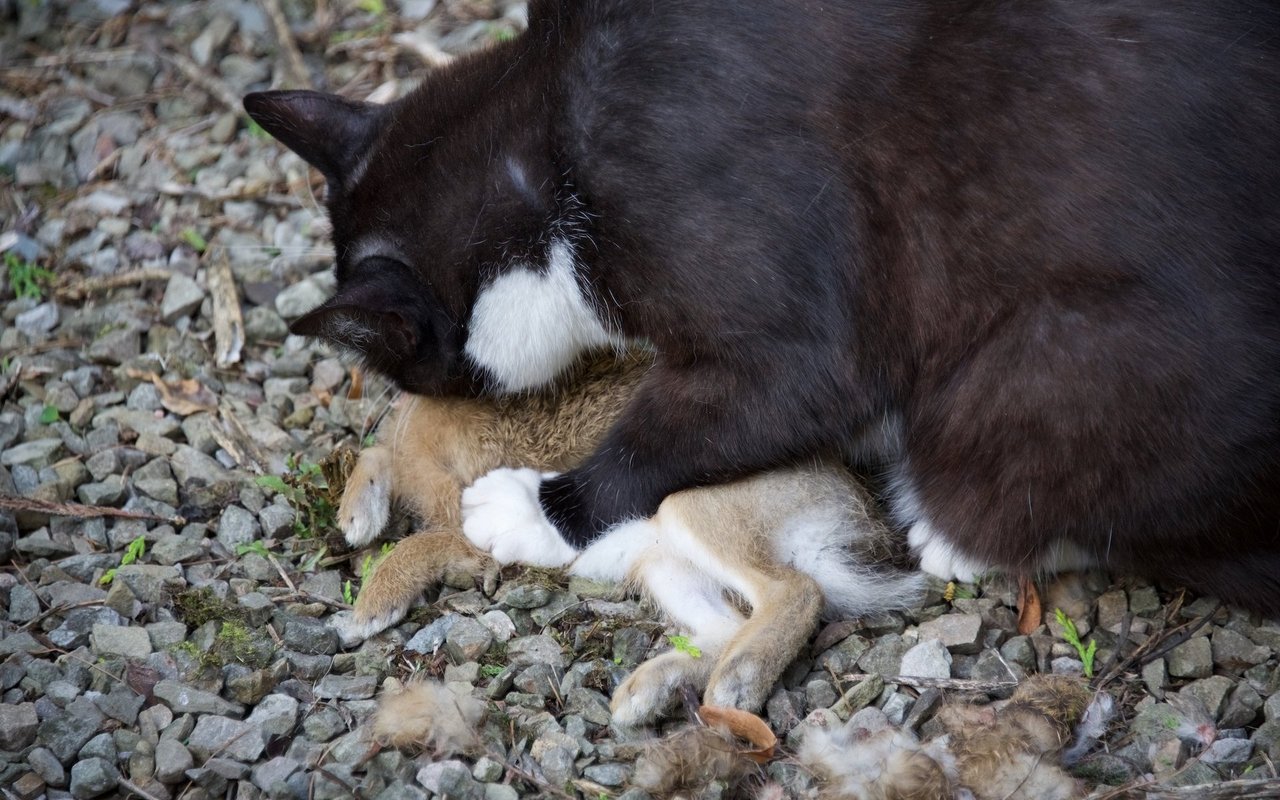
x: 502, y: 516
x: 940, y: 558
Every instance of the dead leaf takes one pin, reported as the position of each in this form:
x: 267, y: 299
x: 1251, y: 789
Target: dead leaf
x: 1029, y: 611
x: 185, y: 397
x: 357, y: 384
x: 743, y: 725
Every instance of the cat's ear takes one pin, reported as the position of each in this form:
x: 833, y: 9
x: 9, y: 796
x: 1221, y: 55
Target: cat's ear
x: 383, y: 336
x: 330, y: 132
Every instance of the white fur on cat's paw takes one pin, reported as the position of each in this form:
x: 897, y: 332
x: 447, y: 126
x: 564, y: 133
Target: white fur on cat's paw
x: 502, y: 516
x: 940, y: 558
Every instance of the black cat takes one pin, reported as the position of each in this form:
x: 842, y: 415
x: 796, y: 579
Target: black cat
x: 1025, y: 254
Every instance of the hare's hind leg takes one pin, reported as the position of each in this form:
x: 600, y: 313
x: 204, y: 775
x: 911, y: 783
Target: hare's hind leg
x: 698, y: 606
x: 785, y: 607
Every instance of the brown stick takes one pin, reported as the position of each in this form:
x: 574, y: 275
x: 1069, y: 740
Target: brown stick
x: 1227, y: 790
x: 294, y: 65
x: 82, y: 289
x: 201, y: 78
x: 228, y: 323
x: 79, y: 511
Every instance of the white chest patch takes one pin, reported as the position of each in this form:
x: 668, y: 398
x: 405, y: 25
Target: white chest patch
x: 528, y: 326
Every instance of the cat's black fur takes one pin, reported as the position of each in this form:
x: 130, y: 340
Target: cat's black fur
x: 1043, y: 236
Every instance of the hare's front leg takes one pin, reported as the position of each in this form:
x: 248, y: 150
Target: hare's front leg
x: 366, y: 500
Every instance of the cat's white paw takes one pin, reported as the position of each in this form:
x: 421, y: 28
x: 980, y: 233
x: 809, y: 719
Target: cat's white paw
x: 940, y: 558
x: 366, y: 501
x: 501, y: 515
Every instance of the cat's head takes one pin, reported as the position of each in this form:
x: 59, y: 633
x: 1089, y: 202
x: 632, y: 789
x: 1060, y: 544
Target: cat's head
x: 455, y: 266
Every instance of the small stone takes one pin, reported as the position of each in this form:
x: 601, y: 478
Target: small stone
x: 1144, y: 601
x: 1191, y: 659
x: 183, y: 699
x: 1235, y: 651
x: 28, y: 787
x: 298, y: 299
x: 928, y: 659
x: 524, y: 595
x: 93, y: 777
x: 151, y: 583
x: 37, y: 322
x: 429, y: 639
x: 181, y: 297
x: 487, y: 770
x: 309, y: 636
x: 960, y: 633
x: 1211, y: 692
x: 1228, y: 752
x: 121, y: 704
x: 236, y: 527
x: 18, y: 724
x: 819, y: 693
x: 467, y: 640
x: 1112, y: 606
x: 275, y: 715
x: 67, y: 733
x: 275, y: 772
x: 540, y: 649
x: 608, y: 774
x: 47, y: 766
x: 112, y: 640
x: 346, y: 687
x: 858, y: 697
x: 36, y: 453
x: 1243, y: 706
x: 226, y: 737
x: 323, y: 725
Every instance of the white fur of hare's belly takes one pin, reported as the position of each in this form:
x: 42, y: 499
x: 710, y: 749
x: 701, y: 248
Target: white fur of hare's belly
x: 528, y: 326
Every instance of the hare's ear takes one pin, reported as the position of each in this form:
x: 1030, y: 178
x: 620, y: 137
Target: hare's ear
x: 330, y: 132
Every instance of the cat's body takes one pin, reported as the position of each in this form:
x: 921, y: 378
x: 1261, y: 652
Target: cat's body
x: 1022, y: 253
x: 786, y: 542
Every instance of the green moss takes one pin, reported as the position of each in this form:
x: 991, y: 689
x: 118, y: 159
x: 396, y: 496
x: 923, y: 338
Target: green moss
x: 198, y: 606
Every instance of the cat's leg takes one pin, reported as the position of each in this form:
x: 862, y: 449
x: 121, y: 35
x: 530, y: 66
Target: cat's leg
x: 501, y: 516
x: 366, y: 500
x: 414, y: 565
x: 688, y: 426
x: 940, y: 557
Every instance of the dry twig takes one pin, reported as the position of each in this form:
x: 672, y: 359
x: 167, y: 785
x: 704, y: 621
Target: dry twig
x: 79, y: 511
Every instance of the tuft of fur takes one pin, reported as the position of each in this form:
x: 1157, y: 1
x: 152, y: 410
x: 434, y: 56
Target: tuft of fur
x: 1002, y: 751
x: 690, y: 760
x: 867, y: 759
x: 427, y: 715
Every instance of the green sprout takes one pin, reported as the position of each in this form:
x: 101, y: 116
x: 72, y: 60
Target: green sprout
x: 1072, y: 636
x: 27, y: 280
x: 136, y: 550
x: 256, y: 547
x: 683, y: 645
x: 192, y: 237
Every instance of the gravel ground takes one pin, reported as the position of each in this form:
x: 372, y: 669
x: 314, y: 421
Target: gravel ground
x: 167, y: 637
